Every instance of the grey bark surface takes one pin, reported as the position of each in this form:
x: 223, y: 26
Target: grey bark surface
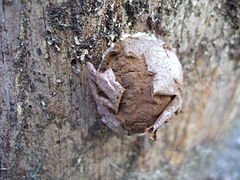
x: 49, y: 127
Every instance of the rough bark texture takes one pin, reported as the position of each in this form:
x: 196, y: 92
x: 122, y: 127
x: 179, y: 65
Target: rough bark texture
x: 49, y: 127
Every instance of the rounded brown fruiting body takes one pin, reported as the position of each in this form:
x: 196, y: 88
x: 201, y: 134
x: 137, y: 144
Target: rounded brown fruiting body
x: 138, y: 108
x: 137, y: 86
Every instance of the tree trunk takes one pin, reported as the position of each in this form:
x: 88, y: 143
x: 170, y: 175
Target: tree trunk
x: 49, y: 127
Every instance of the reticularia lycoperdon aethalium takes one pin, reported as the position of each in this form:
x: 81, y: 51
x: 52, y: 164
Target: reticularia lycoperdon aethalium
x: 137, y: 86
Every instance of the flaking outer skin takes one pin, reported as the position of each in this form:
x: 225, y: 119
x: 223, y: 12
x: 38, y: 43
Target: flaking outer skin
x: 105, y: 83
x: 167, y: 81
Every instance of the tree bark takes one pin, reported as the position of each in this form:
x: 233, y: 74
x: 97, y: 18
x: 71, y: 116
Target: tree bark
x: 49, y: 127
